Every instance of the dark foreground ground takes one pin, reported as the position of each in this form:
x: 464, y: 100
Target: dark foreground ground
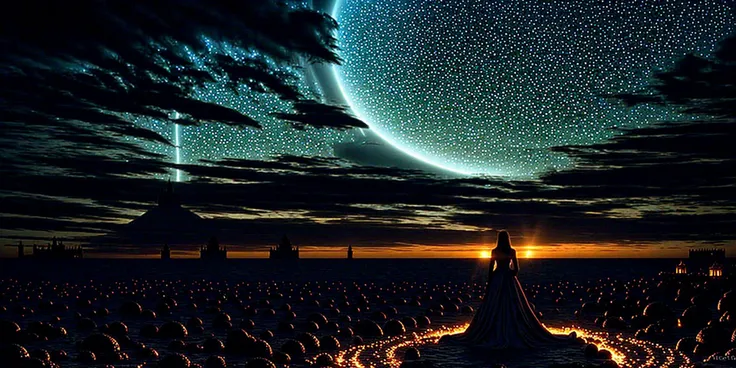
x: 277, y: 302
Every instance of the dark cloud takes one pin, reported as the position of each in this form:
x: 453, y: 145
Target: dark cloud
x: 690, y: 162
x: 51, y: 225
x: 670, y: 182
x: 93, y: 27
x: 77, y: 76
x: 313, y: 113
x: 697, y: 85
x: 140, y: 133
x: 94, y: 166
x: 327, y: 201
x: 54, y: 208
x: 374, y: 151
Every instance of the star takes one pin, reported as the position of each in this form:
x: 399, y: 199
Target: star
x: 486, y: 86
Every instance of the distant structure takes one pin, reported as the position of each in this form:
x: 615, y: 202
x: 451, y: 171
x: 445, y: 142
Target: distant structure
x: 166, y: 252
x: 350, y: 252
x: 167, y: 197
x: 681, y: 268
x: 700, y: 260
x: 716, y: 270
x: 284, y: 250
x: 168, y: 222
x: 212, y: 250
x: 21, y: 251
x: 55, y: 250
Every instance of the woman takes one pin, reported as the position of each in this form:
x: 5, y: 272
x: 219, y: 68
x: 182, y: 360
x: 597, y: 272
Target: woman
x: 505, y: 319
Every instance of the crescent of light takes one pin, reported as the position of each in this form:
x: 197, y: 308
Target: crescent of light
x: 375, y: 129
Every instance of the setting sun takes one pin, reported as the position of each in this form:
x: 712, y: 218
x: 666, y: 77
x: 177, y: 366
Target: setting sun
x: 485, y: 254
x: 528, y: 254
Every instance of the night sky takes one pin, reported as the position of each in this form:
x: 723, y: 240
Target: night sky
x: 489, y: 86
x: 405, y: 128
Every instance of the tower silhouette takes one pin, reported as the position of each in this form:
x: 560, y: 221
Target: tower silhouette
x: 213, y: 250
x: 284, y: 250
x: 166, y: 252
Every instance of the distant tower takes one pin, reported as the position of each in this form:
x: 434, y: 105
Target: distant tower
x: 57, y: 246
x: 350, y: 252
x: 681, y: 268
x: 166, y: 252
x: 284, y: 250
x: 21, y: 252
x: 212, y: 250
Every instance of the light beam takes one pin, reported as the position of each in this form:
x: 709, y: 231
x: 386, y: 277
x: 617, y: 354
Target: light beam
x: 177, y: 150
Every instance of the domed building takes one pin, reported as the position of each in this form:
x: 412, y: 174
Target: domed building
x: 212, y: 250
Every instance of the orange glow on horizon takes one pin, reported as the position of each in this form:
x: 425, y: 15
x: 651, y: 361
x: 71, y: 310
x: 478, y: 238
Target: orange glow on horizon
x: 468, y: 251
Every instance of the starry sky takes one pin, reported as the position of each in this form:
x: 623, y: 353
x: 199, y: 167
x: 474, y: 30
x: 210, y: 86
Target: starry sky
x: 485, y: 86
x: 216, y: 141
x: 597, y: 128
x: 471, y: 87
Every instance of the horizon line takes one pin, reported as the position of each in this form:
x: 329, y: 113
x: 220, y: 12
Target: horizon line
x: 154, y: 256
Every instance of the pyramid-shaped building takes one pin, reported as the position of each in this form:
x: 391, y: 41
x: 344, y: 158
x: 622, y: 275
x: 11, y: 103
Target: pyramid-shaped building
x: 166, y: 223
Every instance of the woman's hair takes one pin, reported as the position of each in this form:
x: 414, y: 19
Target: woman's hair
x: 504, y: 241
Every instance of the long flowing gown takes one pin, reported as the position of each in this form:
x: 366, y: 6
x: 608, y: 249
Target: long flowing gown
x: 505, y: 319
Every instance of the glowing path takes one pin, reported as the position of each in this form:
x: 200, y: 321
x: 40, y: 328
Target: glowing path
x: 625, y: 351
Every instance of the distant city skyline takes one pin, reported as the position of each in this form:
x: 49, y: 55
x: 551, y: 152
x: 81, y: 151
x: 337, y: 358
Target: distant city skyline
x: 236, y: 251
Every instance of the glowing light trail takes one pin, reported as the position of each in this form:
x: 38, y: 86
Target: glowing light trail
x: 177, y: 150
x: 625, y: 351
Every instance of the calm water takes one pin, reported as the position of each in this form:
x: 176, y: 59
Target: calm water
x: 430, y: 270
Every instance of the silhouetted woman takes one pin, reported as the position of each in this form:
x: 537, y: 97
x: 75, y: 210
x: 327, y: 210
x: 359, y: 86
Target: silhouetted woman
x: 505, y: 319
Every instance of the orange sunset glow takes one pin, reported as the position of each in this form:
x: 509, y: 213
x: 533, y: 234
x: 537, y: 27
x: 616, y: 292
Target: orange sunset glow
x: 664, y: 250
